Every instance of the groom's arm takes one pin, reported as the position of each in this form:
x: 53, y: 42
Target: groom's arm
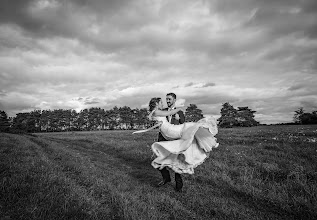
x: 167, y: 113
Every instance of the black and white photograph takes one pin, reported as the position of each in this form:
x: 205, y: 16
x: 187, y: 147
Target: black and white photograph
x: 158, y: 109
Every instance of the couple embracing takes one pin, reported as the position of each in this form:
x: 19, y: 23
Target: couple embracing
x: 181, y: 146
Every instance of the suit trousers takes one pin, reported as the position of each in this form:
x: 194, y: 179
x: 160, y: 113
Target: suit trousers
x: 166, y: 174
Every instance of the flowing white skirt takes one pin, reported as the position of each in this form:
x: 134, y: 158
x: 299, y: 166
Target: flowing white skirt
x: 192, y: 149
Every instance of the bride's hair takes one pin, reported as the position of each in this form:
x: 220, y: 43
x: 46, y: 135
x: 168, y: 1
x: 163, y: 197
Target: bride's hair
x: 153, y: 103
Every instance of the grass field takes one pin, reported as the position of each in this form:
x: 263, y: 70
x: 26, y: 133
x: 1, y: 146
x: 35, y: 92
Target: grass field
x: 267, y: 172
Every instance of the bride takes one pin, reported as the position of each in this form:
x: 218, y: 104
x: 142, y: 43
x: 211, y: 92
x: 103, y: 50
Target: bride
x: 188, y: 144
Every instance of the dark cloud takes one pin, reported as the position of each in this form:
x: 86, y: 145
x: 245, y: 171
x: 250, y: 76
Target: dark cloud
x: 273, y: 19
x: 87, y: 100
x: 17, y: 107
x: 3, y: 93
x: 18, y: 12
x: 243, y: 6
x: 14, y: 11
x: 188, y: 84
x: 91, y: 102
x: 309, y: 105
x: 205, y: 99
x: 301, y: 90
x: 122, y: 21
x: 115, y: 20
x: 197, y: 85
x: 309, y: 6
x: 285, y: 17
x: 208, y: 85
x: 296, y: 87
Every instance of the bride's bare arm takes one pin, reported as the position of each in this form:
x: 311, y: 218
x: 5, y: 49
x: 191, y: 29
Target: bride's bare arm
x: 155, y: 126
x: 167, y: 113
x: 149, y: 129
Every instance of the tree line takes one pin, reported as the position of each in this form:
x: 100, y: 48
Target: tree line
x: 92, y: 119
x: 302, y: 117
x: 125, y: 118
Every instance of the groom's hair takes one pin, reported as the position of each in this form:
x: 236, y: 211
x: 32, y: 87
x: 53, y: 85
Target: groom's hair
x: 171, y: 94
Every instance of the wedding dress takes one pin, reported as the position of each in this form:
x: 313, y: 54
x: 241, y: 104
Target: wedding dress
x: 188, y: 144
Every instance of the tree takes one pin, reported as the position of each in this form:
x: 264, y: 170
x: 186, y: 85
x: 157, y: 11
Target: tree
x: 231, y: 117
x: 95, y: 117
x: 308, y: 118
x: 301, y: 117
x: 113, y: 118
x: 34, y: 121
x: 20, y: 121
x: 126, y: 119
x: 83, y: 120
x: 298, y: 114
x: 4, y: 122
x: 44, y: 119
x: 56, y: 119
x: 64, y: 117
x: 228, y: 116
x: 245, y: 117
x: 73, y: 119
x: 193, y: 113
x: 140, y: 118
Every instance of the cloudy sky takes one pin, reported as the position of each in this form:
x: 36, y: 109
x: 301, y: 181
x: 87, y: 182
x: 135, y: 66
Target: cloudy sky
x: 76, y: 54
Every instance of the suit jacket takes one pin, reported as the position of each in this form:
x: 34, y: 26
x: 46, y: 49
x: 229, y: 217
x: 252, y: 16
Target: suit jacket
x: 174, y: 121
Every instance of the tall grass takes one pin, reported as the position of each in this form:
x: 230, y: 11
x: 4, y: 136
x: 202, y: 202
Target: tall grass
x: 256, y: 173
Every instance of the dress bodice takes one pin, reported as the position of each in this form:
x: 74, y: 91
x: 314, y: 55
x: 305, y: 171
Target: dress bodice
x: 168, y: 130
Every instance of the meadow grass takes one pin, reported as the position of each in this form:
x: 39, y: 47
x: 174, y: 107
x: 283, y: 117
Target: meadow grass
x: 264, y: 172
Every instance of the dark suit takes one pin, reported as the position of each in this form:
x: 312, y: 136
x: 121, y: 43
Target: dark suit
x: 165, y: 173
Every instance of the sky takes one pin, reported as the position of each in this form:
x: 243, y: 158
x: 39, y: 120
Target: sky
x: 77, y: 54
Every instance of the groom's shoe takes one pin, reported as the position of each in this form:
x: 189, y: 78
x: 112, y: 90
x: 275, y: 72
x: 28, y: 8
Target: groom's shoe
x: 163, y: 182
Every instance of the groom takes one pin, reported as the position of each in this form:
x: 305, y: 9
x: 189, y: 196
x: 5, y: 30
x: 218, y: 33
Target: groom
x: 175, y: 119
